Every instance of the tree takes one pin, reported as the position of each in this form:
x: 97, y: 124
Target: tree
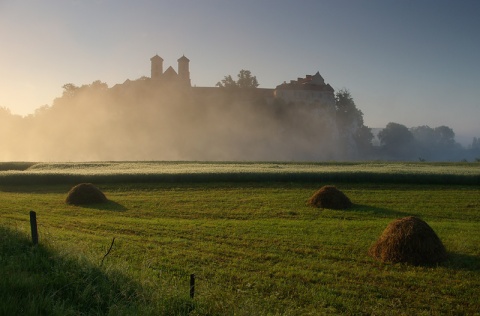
x: 394, y: 135
x: 5, y: 112
x: 354, y: 135
x: 396, y: 139
x: 227, y: 82
x: 245, y: 80
x: 424, y: 135
x: 445, y: 136
x: 435, y: 142
x: 475, y: 143
x: 69, y: 90
x: 98, y: 85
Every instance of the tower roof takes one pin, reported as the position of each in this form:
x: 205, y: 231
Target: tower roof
x: 317, y: 79
x: 183, y: 58
x: 156, y: 57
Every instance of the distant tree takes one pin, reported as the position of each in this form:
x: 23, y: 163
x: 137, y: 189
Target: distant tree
x: 5, y: 112
x: 98, y: 85
x: 41, y: 110
x: 245, y: 80
x: 69, y: 90
x: 396, y: 140
x: 475, y: 143
x: 354, y: 135
x: 227, y: 82
x: 395, y: 134
x: 445, y: 136
x: 424, y: 135
x: 474, y: 148
x: 363, y: 138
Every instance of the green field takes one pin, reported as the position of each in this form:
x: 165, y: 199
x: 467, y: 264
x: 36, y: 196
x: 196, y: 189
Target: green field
x: 255, y: 247
x: 347, y: 172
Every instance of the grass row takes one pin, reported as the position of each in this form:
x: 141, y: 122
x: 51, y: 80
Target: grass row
x: 256, y: 248
x: 188, y: 172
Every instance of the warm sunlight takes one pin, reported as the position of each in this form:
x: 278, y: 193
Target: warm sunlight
x: 402, y: 64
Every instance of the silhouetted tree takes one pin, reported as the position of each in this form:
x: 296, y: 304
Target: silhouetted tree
x: 445, y: 136
x: 245, y: 80
x: 5, y: 112
x: 354, y: 135
x: 98, y: 85
x: 69, y: 90
x: 435, y: 143
x: 424, y: 135
x: 475, y: 143
x: 227, y: 82
x: 396, y: 140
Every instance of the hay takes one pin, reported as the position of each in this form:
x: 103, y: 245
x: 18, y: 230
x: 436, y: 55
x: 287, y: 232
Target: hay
x: 409, y: 240
x: 85, y: 193
x: 330, y: 197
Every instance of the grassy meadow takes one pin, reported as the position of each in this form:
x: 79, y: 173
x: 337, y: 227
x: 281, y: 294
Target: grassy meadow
x: 255, y: 247
x: 346, y: 172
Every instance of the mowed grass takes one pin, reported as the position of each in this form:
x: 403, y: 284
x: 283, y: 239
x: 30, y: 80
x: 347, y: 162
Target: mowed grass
x: 255, y: 248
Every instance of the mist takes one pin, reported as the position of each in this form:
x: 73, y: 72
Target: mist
x: 144, y: 120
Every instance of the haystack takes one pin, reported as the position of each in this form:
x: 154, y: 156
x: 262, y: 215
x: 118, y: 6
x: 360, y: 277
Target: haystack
x: 330, y: 197
x: 409, y: 240
x: 85, y: 193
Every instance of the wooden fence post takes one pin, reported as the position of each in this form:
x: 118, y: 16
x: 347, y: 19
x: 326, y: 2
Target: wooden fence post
x: 33, y: 226
x: 192, y: 285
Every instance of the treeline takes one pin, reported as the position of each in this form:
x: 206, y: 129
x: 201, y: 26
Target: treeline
x: 145, y: 120
x: 396, y: 142
x: 423, y: 143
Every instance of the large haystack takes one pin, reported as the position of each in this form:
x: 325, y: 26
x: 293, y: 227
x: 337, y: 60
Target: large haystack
x: 330, y: 197
x: 409, y: 240
x: 85, y: 193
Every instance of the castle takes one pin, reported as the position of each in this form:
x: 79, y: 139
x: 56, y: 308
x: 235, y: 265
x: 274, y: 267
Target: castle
x: 311, y: 90
x: 170, y: 75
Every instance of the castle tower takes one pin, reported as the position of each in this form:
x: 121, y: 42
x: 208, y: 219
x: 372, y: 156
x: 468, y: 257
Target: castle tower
x: 157, y: 67
x: 183, y: 70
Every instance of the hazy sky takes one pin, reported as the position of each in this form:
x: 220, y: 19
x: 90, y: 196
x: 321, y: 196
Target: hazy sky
x: 410, y: 62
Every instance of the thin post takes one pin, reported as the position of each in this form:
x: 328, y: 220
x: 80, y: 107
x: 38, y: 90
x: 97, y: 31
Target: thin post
x: 33, y: 226
x: 192, y: 285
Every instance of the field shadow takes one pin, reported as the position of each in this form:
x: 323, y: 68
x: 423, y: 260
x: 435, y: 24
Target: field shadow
x: 60, y: 284
x: 459, y: 261
x: 59, y: 281
x: 379, y: 211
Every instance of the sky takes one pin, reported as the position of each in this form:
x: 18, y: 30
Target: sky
x: 404, y: 61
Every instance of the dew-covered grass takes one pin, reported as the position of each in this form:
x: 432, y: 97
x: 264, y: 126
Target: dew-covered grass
x: 109, y: 172
x: 256, y: 248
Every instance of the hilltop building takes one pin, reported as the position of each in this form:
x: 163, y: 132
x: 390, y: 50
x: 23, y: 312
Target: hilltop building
x: 309, y: 90
x: 170, y: 75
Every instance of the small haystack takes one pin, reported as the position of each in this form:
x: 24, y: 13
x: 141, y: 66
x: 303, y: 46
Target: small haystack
x: 85, y: 193
x: 409, y: 240
x: 330, y: 197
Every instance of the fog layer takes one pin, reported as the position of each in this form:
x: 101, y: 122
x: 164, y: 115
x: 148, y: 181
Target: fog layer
x: 141, y: 120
